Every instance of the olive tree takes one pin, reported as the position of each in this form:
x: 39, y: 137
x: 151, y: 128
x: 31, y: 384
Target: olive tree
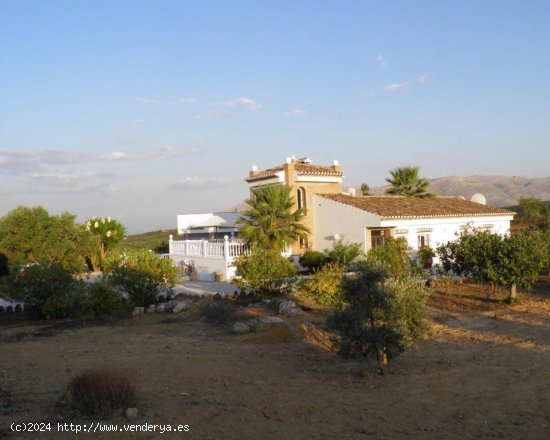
x: 382, y: 317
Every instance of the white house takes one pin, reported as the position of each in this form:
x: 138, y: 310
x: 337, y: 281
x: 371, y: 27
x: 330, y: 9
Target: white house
x: 212, y: 226
x: 423, y: 222
x: 329, y: 213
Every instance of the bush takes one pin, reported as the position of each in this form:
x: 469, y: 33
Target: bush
x: 101, y: 392
x: 324, y: 286
x: 344, y: 253
x: 313, y: 260
x: 49, y: 292
x: 218, y: 312
x: 425, y: 257
x: 142, y: 275
x: 394, y: 256
x: 32, y: 235
x: 104, y: 300
x: 382, y: 317
x: 265, y: 273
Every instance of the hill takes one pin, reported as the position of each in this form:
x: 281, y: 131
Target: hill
x: 147, y: 240
x: 498, y: 190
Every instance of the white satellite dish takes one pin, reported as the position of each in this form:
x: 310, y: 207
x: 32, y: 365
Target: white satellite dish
x: 461, y: 197
x: 479, y: 198
x: 351, y: 192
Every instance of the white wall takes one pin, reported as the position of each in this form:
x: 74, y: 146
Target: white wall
x: 330, y: 217
x: 448, y: 229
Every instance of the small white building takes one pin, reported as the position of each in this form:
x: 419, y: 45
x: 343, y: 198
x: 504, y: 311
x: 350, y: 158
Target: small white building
x: 423, y: 222
x: 211, y: 226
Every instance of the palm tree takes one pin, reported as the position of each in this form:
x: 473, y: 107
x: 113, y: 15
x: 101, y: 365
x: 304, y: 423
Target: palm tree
x: 270, y: 224
x: 405, y: 181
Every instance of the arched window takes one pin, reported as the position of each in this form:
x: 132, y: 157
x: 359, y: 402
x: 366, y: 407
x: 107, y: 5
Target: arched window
x: 301, y: 199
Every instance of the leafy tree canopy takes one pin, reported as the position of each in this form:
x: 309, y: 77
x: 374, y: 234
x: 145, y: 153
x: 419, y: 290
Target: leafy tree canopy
x: 534, y: 213
x: 32, y: 235
x: 508, y: 261
x: 405, y: 181
x: 270, y: 223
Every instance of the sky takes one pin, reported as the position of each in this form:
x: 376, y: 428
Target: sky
x: 142, y: 110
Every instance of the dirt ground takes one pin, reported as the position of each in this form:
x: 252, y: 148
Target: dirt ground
x: 483, y: 371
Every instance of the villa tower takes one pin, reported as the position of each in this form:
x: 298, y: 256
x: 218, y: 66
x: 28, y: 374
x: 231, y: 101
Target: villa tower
x: 305, y: 180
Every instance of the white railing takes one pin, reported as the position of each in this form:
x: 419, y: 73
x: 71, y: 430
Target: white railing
x: 205, y: 249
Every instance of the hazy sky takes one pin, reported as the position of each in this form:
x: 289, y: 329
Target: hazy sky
x: 142, y: 110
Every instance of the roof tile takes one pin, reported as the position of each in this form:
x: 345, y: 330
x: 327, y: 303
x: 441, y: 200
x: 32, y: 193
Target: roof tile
x: 414, y: 207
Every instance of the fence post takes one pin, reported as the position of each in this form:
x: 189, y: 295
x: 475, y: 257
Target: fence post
x: 204, y: 248
x: 170, y: 243
x: 186, y: 247
x: 225, y: 247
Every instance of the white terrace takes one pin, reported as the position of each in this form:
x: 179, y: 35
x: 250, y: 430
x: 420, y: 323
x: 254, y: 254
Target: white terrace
x: 207, y: 257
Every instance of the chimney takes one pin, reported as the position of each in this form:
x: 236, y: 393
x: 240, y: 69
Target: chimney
x: 336, y: 166
x: 253, y: 171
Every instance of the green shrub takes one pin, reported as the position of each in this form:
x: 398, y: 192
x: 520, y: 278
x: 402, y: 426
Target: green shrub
x: 382, y: 318
x: 425, y: 257
x: 324, y: 286
x: 344, y: 253
x: 104, y: 300
x: 49, y: 292
x: 394, y: 256
x: 265, y: 273
x: 101, y: 392
x: 313, y: 260
x: 218, y: 312
x: 142, y: 275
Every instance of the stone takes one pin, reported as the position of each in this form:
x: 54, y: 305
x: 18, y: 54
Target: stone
x: 160, y: 308
x: 270, y: 320
x: 240, y: 328
x: 131, y: 413
x: 180, y: 306
x: 138, y: 311
x: 289, y: 308
x: 151, y: 309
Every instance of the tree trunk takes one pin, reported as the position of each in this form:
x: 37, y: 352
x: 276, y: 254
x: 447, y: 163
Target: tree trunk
x: 513, y: 293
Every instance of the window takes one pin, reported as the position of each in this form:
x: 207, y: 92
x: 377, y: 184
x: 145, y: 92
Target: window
x: 423, y: 240
x: 301, y: 199
x: 377, y: 238
x: 303, y: 242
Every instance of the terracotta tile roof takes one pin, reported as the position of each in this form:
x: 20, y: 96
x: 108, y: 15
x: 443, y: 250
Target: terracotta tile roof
x: 301, y: 169
x: 266, y: 174
x: 316, y: 170
x: 415, y: 207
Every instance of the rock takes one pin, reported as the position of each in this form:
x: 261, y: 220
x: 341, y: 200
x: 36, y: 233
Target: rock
x: 160, y: 308
x: 138, y: 311
x: 180, y: 306
x: 240, y: 328
x: 151, y: 309
x: 289, y: 308
x: 270, y: 320
x: 131, y: 413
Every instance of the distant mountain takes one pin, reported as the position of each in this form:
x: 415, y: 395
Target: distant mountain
x: 498, y: 190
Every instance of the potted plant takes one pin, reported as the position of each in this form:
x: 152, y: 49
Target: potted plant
x: 425, y: 257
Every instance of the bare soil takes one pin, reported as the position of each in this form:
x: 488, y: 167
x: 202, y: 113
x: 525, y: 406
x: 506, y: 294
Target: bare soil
x: 482, y: 371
